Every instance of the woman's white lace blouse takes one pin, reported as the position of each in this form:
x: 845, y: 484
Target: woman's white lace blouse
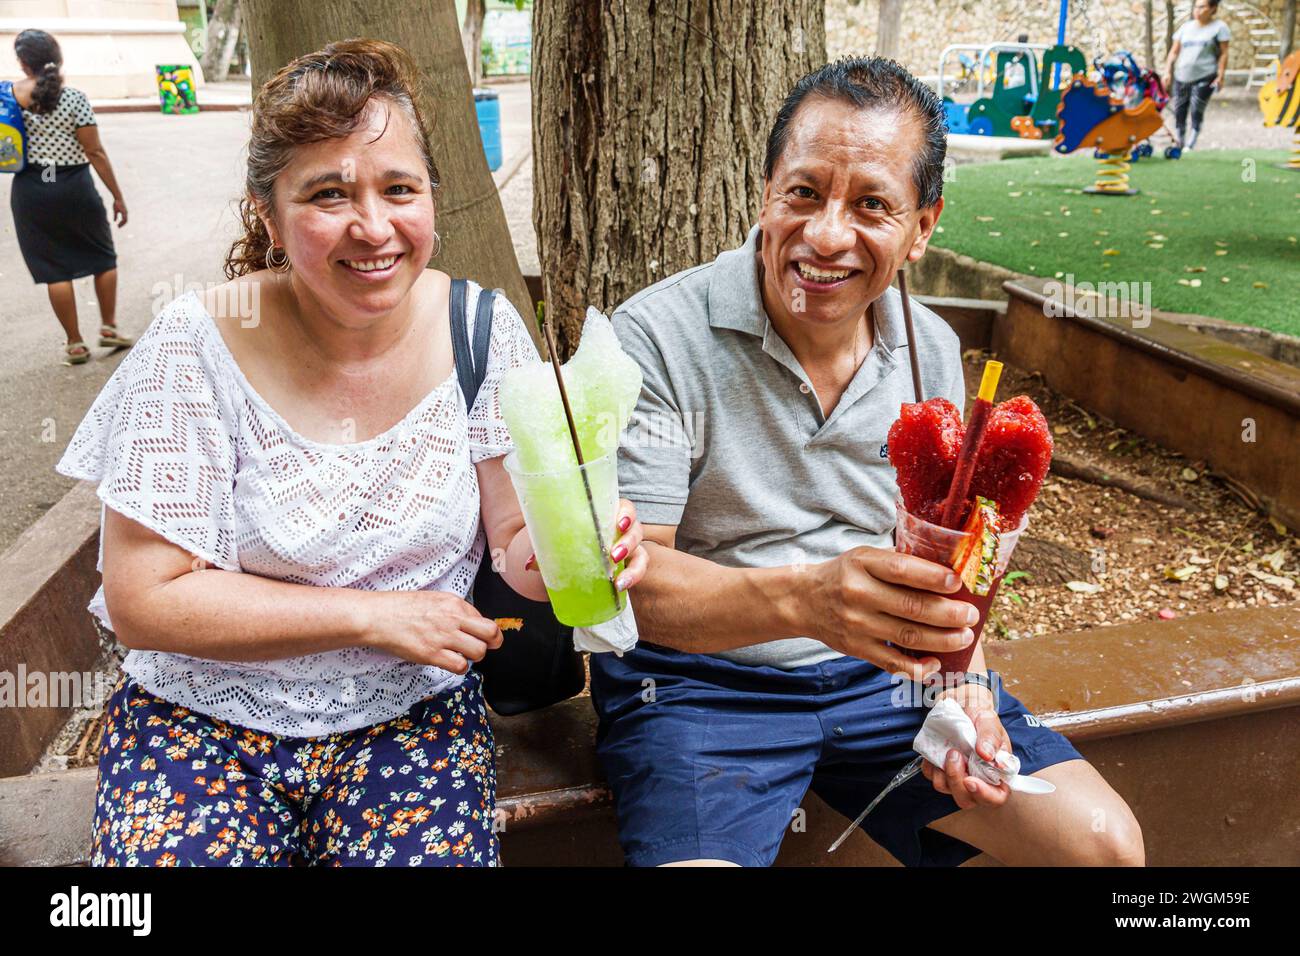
x: 180, y: 442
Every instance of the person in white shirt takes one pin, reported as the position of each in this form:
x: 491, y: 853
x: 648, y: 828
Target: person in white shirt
x: 296, y: 502
x: 1196, y: 67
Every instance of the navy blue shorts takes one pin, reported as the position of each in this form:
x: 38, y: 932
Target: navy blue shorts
x: 710, y: 760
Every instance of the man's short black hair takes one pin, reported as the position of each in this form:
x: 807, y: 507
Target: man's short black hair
x: 877, y: 83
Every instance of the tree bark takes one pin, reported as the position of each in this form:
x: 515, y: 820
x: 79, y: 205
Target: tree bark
x: 471, y: 32
x: 1149, y: 36
x: 650, y: 119
x: 1169, y: 26
x: 476, y: 241
x: 1288, y: 28
x: 889, y: 29
x: 224, y: 20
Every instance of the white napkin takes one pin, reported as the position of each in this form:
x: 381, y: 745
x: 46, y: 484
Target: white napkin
x: 948, y: 728
x: 618, y: 634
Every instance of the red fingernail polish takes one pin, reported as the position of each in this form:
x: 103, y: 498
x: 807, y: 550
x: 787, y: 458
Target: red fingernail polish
x: 624, y: 524
x: 619, y: 553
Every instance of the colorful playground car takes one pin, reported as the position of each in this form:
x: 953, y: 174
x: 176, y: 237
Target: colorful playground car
x: 1027, y: 79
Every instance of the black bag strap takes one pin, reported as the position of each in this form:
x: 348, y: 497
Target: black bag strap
x: 471, y: 363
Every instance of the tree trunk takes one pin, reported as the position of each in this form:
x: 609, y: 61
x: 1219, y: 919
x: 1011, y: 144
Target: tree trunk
x: 476, y: 241
x: 471, y: 32
x: 1149, y: 37
x: 889, y: 29
x: 1169, y: 26
x: 650, y: 119
x: 1288, y: 28
x: 224, y: 20
x: 228, y: 47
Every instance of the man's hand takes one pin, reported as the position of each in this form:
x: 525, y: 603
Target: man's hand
x: 990, y: 737
x: 869, y: 596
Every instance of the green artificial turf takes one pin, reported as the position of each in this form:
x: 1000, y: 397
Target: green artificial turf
x: 1215, y: 233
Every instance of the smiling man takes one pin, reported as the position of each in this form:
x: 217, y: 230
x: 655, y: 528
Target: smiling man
x: 774, y: 606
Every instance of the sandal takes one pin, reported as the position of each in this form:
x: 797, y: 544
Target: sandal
x: 76, y: 353
x: 109, y: 338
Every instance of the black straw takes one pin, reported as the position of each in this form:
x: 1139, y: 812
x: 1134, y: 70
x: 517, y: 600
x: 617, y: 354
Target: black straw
x: 911, y: 337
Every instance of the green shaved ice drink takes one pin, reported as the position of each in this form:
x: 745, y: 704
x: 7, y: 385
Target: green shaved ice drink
x: 579, y: 576
x: 602, y: 383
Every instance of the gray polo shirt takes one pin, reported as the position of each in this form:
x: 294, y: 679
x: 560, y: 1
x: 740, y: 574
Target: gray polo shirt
x: 728, y: 441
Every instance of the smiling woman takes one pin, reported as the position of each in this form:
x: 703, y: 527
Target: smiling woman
x: 320, y: 98
x: 297, y: 499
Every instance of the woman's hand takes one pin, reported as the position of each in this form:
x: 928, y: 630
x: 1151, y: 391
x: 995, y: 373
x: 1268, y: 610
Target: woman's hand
x: 626, y: 545
x: 119, y: 213
x: 429, y: 627
x: 966, y: 789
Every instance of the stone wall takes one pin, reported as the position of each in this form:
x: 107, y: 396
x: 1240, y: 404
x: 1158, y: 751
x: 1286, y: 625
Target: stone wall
x: 1098, y: 26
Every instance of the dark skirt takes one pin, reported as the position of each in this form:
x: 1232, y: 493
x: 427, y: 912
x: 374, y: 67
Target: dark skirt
x: 63, y: 230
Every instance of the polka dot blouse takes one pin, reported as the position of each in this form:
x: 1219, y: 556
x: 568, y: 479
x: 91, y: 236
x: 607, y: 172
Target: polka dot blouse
x: 52, y: 137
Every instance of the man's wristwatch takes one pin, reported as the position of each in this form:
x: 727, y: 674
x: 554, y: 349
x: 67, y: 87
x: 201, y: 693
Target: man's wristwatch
x: 987, y: 681
x: 984, y: 680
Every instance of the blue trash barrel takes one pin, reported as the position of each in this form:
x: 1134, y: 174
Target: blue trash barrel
x: 488, y: 107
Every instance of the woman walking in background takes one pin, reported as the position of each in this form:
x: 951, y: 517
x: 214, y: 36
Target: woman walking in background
x: 1196, y: 66
x: 63, y: 230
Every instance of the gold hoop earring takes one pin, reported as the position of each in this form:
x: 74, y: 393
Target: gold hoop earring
x: 280, y: 263
x: 437, y: 245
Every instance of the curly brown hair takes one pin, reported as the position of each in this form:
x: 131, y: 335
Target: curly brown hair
x: 320, y: 96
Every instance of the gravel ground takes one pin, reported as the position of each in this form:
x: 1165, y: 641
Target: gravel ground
x: 1232, y: 121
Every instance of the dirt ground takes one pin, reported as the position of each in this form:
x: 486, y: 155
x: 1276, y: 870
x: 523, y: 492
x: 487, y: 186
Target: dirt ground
x: 1100, y: 556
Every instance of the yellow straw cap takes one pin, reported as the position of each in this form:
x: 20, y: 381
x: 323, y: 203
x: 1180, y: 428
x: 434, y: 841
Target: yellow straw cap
x: 989, y: 383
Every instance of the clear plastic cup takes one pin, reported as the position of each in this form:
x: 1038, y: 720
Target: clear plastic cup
x: 571, y: 553
x: 913, y: 535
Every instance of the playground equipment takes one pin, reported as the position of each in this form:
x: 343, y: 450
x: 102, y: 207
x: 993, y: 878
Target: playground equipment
x: 1090, y: 115
x: 1130, y: 84
x: 1026, y: 82
x: 1279, y: 101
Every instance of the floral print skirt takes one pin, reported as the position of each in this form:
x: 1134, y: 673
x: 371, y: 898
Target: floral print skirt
x: 177, y: 788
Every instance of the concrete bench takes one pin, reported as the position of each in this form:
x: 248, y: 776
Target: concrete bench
x: 1195, y: 722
